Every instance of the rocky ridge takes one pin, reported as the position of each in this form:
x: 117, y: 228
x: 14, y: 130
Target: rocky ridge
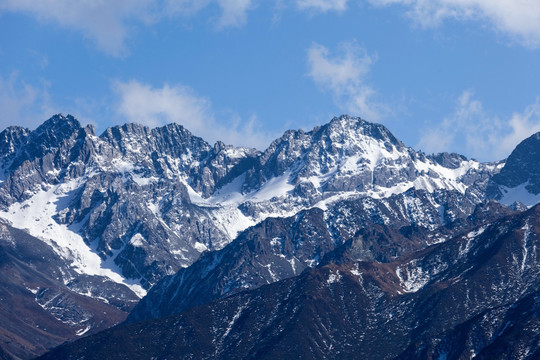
x: 129, y: 193
x: 466, y: 297
x: 280, y: 248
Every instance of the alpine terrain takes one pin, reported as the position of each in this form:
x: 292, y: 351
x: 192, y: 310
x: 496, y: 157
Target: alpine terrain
x: 339, y: 242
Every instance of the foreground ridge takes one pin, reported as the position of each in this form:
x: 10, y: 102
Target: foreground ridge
x: 470, y: 295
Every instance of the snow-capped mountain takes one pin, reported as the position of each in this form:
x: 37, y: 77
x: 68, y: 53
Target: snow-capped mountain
x: 519, y: 179
x: 135, y: 204
x: 114, y: 205
x: 136, y: 207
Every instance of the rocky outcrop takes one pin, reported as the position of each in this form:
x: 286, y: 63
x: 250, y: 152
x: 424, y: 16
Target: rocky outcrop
x: 469, y: 295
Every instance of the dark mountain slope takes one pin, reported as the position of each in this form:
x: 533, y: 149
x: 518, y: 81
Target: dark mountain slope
x: 521, y: 169
x: 280, y: 248
x: 37, y: 310
x: 344, y: 311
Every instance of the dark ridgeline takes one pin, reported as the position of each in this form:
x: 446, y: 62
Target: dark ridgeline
x: 477, y: 294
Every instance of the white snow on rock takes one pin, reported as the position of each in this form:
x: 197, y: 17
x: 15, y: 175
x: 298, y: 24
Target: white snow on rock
x: 413, y: 279
x: 137, y: 240
x: 332, y: 278
x: 35, y: 215
x: 520, y: 194
x: 353, y: 154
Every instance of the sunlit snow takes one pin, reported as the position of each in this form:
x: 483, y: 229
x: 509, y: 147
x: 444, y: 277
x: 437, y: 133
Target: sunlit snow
x: 36, y: 217
x: 519, y: 193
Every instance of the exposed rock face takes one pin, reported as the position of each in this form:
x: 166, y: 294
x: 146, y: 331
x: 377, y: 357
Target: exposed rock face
x: 450, y: 300
x: 151, y: 200
x: 519, y: 179
x: 273, y: 250
x: 277, y: 248
x: 124, y: 192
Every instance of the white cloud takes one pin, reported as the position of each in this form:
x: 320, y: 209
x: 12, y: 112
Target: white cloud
x: 520, y: 126
x: 153, y: 107
x: 233, y: 12
x: 322, y: 5
x: 111, y: 23
x: 518, y: 18
x: 21, y: 103
x: 344, y: 75
x: 471, y: 130
x: 103, y: 21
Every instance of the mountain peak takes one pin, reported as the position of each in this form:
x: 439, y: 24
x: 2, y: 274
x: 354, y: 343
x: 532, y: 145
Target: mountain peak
x: 448, y: 160
x: 519, y: 179
x: 59, y: 122
x: 54, y: 131
x: 350, y: 126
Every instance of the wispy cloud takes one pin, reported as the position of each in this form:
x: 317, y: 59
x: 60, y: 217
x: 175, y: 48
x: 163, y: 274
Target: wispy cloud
x: 111, y: 23
x: 22, y: 103
x: 520, y: 19
x: 104, y: 22
x: 322, y: 5
x: 180, y: 104
x: 344, y: 76
x: 472, y: 130
x: 233, y: 12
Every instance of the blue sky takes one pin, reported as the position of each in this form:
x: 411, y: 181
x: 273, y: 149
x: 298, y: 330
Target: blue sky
x: 442, y: 75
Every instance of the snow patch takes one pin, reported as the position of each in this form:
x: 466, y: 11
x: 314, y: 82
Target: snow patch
x: 272, y: 274
x: 413, y: 279
x: 144, y: 181
x: 81, y: 332
x: 477, y: 232
x: 200, y: 247
x: 231, y: 323
x: 277, y: 186
x: 33, y: 291
x: 356, y: 272
x: 519, y: 193
x: 232, y: 221
x: 332, y: 278
x: 137, y: 240
x: 36, y: 216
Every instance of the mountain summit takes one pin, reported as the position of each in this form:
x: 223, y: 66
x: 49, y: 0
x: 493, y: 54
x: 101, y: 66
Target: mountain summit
x: 519, y: 179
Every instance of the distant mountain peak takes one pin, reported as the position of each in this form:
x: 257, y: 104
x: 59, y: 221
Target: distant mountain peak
x: 519, y: 165
x: 349, y: 126
x: 519, y: 178
x: 59, y: 122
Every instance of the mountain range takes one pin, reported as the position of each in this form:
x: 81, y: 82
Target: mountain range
x: 317, y: 247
